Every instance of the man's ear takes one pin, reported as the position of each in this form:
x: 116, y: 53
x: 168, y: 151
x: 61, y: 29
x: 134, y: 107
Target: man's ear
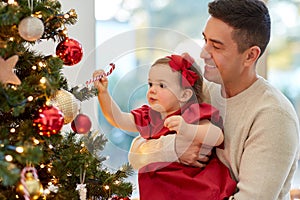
x: 252, y: 55
x: 186, y: 95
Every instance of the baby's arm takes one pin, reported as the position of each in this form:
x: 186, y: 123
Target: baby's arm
x: 204, y: 133
x: 110, y: 109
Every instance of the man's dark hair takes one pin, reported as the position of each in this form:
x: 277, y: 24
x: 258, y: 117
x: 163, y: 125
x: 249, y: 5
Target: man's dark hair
x: 250, y: 20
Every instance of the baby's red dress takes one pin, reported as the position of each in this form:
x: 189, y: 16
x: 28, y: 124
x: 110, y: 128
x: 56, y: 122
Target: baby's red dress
x: 176, y: 181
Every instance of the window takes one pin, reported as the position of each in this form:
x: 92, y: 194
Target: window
x: 121, y: 23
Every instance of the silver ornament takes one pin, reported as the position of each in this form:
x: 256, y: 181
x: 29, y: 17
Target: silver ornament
x: 31, y: 28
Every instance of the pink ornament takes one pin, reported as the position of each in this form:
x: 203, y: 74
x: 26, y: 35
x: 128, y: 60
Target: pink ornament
x: 81, y: 124
x: 70, y: 51
x: 49, y: 120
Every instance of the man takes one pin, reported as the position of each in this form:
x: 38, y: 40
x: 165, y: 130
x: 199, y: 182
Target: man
x: 260, y: 125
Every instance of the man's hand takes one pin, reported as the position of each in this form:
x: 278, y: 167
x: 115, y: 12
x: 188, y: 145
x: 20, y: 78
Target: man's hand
x: 191, y: 153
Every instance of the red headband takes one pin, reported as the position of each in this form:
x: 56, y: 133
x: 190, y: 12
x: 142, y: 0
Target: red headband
x: 182, y: 64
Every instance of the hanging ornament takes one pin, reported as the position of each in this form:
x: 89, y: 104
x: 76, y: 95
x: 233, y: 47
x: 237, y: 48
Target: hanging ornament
x: 67, y: 103
x: 49, y: 120
x: 70, y: 51
x: 115, y: 197
x: 7, y: 74
x: 81, y: 124
x: 31, y: 28
x: 29, y: 186
x: 82, y: 187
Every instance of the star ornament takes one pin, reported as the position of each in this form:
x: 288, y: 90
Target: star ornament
x: 7, y: 74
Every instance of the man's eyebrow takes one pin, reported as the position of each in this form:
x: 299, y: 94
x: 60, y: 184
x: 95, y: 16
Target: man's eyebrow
x: 213, y: 40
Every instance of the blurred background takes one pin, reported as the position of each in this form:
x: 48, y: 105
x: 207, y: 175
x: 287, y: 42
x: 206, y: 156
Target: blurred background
x: 134, y: 33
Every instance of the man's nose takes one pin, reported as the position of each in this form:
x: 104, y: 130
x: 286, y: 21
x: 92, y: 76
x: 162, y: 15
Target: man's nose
x: 204, y: 53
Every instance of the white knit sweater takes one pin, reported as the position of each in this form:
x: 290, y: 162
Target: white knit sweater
x: 261, y: 132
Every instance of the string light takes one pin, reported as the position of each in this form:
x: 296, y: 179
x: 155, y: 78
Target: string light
x: 106, y: 187
x: 34, y: 67
x: 36, y: 141
x: 19, y: 149
x: 72, y: 12
x: 12, y: 130
x: 43, y: 80
x: 66, y: 16
x: 8, y: 158
x: 65, y: 32
x: 30, y: 98
x: 13, y: 87
x: 42, y: 64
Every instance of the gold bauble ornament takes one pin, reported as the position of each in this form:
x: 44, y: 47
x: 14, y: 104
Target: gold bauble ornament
x: 67, y: 103
x: 33, y: 185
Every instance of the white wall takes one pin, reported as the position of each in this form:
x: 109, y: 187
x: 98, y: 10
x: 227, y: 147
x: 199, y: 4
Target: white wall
x: 84, y: 32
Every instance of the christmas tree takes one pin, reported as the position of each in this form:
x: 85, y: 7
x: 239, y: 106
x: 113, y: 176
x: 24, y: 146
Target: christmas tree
x: 38, y: 160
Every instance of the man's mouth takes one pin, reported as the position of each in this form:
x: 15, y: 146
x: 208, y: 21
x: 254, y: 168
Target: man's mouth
x: 210, y: 66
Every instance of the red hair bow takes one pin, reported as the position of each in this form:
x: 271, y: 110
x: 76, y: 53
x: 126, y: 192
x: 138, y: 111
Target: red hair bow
x: 182, y: 64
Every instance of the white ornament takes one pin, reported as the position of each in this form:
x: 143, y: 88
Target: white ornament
x: 82, y: 191
x: 31, y: 28
x: 53, y: 188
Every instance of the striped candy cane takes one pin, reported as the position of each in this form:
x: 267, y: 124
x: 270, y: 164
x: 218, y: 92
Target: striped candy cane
x: 23, y: 180
x: 113, y: 66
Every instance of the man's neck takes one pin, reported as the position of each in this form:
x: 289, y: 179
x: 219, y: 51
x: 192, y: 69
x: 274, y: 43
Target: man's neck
x: 232, y: 89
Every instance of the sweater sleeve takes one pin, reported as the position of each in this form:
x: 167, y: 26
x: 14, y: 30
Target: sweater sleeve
x: 269, y: 157
x: 145, y: 151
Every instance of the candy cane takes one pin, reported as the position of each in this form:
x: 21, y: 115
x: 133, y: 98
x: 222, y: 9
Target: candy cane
x: 23, y: 180
x: 113, y: 66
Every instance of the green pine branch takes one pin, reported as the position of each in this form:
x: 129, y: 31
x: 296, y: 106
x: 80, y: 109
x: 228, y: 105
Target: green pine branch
x: 84, y: 93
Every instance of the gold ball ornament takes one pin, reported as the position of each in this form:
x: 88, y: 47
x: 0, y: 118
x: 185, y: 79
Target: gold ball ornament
x: 67, y: 103
x: 33, y: 186
x: 31, y: 28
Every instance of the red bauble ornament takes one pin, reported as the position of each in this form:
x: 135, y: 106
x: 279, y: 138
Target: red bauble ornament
x: 81, y: 124
x: 119, y: 198
x: 49, y: 120
x: 70, y: 51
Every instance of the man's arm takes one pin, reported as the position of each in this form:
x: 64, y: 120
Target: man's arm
x: 269, y: 157
x: 169, y: 148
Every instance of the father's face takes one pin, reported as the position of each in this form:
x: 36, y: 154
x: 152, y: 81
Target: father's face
x: 223, y: 62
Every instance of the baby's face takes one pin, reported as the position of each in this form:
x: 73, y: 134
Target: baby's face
x: 164, y: 89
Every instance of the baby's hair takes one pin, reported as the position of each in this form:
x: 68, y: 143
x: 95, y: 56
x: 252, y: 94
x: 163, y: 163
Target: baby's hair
x: 197, y: 87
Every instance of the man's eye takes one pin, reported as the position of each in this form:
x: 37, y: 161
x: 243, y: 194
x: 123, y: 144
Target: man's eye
x: 216, y: 47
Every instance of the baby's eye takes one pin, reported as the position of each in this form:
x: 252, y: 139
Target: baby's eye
x: 150, y: 84
x: 161, y: 85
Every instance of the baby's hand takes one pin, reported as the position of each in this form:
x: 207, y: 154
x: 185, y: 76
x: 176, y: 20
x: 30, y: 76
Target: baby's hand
x: 102, y: 83
x: 175, y: 123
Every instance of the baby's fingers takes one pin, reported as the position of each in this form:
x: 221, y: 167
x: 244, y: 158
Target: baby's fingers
x: 172, y: 123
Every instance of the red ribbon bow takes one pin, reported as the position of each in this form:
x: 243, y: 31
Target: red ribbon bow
x: 182, y: 64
